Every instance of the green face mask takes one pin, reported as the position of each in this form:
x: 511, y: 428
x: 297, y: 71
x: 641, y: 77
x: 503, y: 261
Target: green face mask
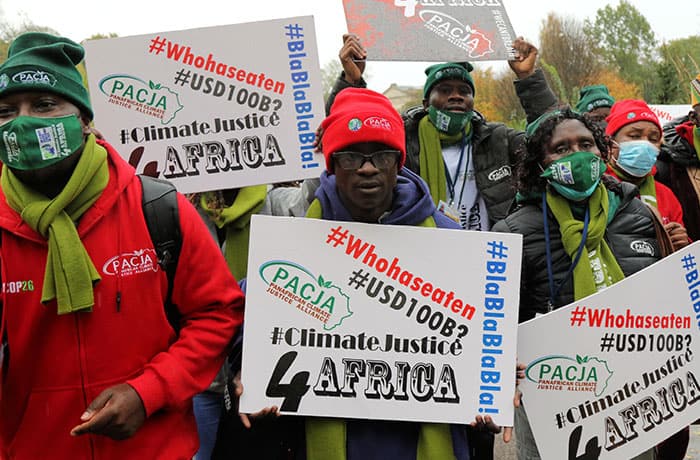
x: 449, y: 122
x: 29, y: 143
x: 575, y: 176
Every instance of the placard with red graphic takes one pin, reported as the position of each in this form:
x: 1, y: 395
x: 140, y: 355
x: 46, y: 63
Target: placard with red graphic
x: 431, y: 30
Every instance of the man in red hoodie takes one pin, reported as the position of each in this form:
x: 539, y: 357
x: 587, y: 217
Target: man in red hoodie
x: 91, y: 367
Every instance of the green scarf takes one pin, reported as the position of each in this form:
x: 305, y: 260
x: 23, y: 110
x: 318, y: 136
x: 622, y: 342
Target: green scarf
x: 696, y: 141
x: 432, y: 166
x: 70, y: 273
x: 326, y: 438
x: 236, y: 220
x: 571, y: 233
x: 646, y: 185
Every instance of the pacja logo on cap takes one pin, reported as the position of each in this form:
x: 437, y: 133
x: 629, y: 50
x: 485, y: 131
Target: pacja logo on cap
x: 31, y: 77
x: 378, y: 123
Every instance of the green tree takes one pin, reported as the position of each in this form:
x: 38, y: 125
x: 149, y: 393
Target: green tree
x: 680, y: 63
x: 329, y: 74
x: 570, y: 53
x: 626, y: 42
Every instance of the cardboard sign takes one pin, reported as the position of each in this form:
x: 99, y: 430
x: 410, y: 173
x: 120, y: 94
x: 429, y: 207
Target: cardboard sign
x: 379, y: 321
x: 617, y: 372
x: 212, y: 108
x: 431, y: 30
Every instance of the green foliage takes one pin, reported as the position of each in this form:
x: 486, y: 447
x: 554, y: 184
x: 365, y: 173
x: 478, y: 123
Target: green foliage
x: 626, y: 43
x: 679, y: 64
x: 554, y: 80
x: 566, y: 47
x: 329, y: 74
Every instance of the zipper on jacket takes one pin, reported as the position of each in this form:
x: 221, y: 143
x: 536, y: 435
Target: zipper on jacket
x: 82, y: 379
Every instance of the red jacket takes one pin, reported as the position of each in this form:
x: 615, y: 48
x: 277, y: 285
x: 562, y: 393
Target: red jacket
x: 56, y: 365
x: 666, y: 202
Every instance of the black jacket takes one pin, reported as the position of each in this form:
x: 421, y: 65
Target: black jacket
x: 630, y: 236
x: 494, y: 144
x: 676, y: 156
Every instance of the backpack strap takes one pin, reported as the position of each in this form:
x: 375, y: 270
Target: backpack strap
x: 162, y: 218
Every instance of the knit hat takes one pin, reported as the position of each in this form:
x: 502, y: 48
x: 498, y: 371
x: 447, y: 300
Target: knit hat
x: 362, y: 115
x: 695, y: 91
x: 629, y: 111
x: 42, y: 62
x: 445, y: 71
x: 592, y: 97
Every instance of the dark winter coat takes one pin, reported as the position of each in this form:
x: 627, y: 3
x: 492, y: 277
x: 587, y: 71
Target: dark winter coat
x: 630, y: 235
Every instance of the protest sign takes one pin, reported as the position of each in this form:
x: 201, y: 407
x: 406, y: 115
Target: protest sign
x: 212, y: 108
x: 431, y: 30
x: 667, y: 113
x: 380, y: 322
x: 617, y: 372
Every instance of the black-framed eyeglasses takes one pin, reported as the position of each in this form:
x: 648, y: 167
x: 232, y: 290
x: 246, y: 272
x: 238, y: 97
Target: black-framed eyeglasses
x: 352, y: 161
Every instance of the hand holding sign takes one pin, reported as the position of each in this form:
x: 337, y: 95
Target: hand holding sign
x: 523, y: 62
x: 352, y: 56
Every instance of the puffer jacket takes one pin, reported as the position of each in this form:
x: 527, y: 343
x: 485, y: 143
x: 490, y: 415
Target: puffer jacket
x: 630, y: 235
x: 493, y: 144
x: 676, y: 157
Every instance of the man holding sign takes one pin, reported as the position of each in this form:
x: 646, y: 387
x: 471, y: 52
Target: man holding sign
x: 365, y: 181
x: 465, y: 159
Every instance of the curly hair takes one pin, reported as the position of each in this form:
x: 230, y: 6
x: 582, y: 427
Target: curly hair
x: 530, y: 155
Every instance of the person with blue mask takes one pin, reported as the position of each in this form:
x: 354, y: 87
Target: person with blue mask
x: 577, y: 225
x: 637, y: 138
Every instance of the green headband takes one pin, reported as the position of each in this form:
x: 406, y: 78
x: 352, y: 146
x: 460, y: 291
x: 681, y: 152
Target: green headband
x: 532, y: 127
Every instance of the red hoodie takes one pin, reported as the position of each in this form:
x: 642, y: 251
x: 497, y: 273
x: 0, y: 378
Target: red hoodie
x: 55, y: 365
x: 666, y: 202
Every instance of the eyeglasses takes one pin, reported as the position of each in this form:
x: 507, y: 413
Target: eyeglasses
x: 352, y: 161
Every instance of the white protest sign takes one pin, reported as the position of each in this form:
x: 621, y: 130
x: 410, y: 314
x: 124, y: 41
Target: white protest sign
x: 380, y: 322
x: 431, y: 30
x: 617, y: 372
x: 667, y: 113
x: 212, y: 108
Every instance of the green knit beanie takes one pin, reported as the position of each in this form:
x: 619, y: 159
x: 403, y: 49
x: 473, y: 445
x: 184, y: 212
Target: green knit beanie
x: 42, y: 62
x: 592, y: 97
x: 448, y: 71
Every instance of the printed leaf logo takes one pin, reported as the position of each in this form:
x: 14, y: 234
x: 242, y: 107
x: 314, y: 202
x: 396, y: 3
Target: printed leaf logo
x: 152, y: 99
x: 471, y: 40
x: 312, y: 295
x: 563, y: 373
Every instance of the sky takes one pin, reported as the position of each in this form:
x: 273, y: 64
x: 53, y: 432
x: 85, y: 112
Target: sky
x: 136, y: 17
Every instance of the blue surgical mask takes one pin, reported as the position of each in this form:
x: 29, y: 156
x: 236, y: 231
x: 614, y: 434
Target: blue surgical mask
x: 636, y: 158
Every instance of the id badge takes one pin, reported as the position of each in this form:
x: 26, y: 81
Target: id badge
x: 448, y: 211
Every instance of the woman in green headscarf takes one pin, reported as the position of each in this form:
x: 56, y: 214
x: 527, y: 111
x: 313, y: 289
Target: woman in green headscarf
x: 577, y: 225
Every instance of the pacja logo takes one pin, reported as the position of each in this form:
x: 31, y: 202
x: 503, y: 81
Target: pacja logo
x: 132, y: 263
